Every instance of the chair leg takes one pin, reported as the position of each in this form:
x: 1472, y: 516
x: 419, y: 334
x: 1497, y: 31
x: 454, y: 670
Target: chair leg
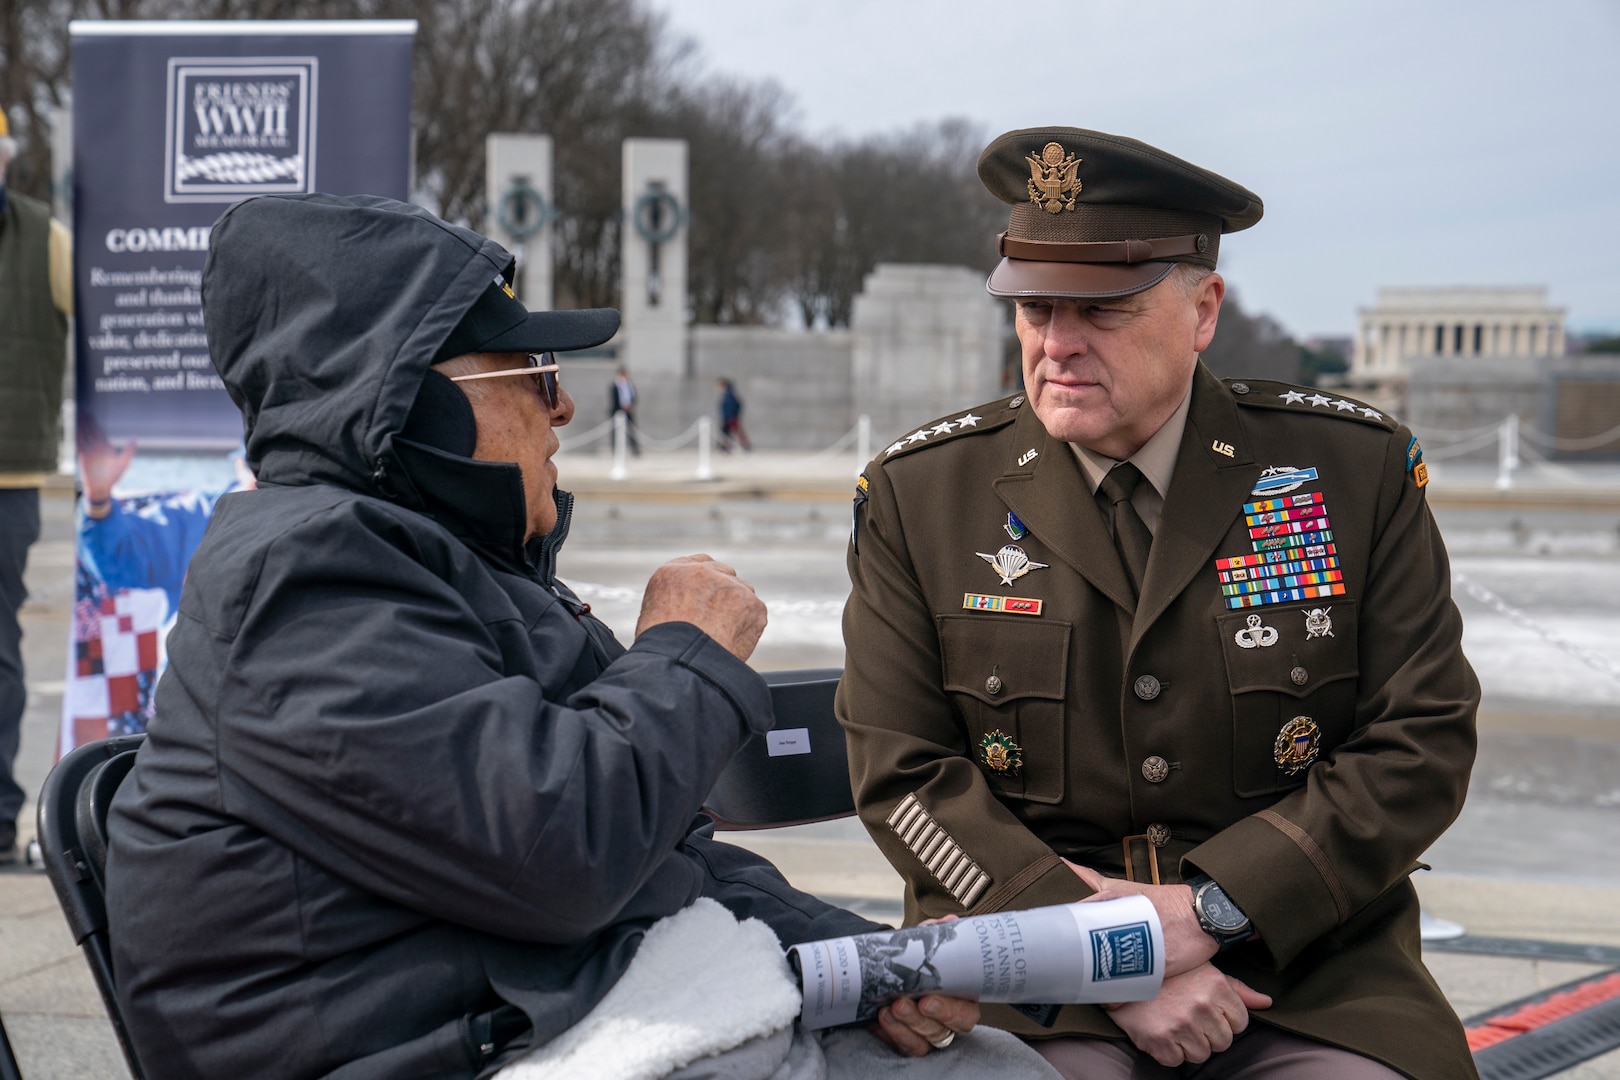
x: 8, y: 1060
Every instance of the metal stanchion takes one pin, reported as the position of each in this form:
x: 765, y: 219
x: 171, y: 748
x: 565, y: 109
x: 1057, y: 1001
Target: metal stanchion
x: 863, y: 442
x: 1507, y: 456
x: 621, y: 448
x: 705, y: 441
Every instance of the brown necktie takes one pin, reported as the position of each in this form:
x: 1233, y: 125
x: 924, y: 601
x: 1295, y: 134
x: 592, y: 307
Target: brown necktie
x: 1131, y: 536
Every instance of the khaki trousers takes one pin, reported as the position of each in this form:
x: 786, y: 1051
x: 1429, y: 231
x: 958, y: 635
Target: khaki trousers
x: 1259, y: 1053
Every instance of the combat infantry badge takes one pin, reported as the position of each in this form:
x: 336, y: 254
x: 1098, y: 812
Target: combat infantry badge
x: 1053, y: 179
x: 1000, y: 754
x: 1297, y: 745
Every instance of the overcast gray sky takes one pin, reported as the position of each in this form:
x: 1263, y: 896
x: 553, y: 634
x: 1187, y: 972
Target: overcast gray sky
x: 1394, y: 143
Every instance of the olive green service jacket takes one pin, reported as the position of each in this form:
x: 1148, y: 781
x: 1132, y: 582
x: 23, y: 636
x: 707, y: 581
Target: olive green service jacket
x: 1303, y: 751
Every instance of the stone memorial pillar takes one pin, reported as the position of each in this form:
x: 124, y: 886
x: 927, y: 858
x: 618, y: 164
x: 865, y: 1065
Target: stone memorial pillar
x: 928, y: 340
x: 653, y: 246
x: 519, y: 209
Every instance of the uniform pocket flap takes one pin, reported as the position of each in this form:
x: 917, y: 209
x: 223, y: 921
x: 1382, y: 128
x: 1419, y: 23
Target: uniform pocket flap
x: 1293, y: 650
x: 1001, y: 659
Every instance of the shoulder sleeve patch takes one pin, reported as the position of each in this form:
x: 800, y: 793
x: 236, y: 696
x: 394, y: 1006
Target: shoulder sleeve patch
x: 1265, y: 394
x: 1415, y: 465
x: 953, y: 425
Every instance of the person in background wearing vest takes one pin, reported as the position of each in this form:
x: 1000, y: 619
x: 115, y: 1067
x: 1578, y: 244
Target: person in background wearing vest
x: 36, y: 299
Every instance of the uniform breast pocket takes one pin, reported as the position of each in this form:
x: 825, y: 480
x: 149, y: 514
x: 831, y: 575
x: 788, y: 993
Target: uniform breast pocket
x: 1293, y: 674
x: 1008, y: 680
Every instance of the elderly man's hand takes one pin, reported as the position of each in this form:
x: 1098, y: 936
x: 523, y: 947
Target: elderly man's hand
x: 1197, y: 1013
x: 710, y: 596
x: 916, y: 1027
x: 1186, y: 945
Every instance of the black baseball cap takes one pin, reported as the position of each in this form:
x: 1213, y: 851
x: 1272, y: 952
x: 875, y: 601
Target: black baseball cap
x: 498, y: 322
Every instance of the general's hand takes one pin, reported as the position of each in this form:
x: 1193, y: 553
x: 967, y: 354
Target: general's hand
x: 710, y: 596
x: 913, y: 1027
x: 1196, y: 1014
x: 1186, y: 945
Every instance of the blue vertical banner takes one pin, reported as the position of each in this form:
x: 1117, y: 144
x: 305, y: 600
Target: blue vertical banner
x: 172, y: 123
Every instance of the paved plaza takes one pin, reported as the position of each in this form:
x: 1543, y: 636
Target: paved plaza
x: 1531, y: 857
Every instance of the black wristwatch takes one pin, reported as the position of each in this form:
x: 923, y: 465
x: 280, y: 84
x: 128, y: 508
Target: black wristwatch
x: 1221, y: 919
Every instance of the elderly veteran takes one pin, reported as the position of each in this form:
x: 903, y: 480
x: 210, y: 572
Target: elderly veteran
x: 406, y: 808
x: 1139, y: 629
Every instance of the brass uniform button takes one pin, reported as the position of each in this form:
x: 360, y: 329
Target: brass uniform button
x: 1158, y: 835
x: 1147, y: 687
x: 992, y: 685
x: 1155, y: 769
x: 1300, y: 676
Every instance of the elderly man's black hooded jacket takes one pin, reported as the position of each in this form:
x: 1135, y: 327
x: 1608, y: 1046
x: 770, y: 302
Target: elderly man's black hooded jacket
x: 405, y: 808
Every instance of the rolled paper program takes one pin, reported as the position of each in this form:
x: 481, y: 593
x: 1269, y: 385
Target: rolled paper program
x: 1100, y: 952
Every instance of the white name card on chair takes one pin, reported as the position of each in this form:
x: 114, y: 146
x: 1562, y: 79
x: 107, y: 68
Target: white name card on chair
x: 787, y: 741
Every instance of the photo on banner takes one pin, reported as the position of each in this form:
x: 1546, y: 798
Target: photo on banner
x: 173, y: 123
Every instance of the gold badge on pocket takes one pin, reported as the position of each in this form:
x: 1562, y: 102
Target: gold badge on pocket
x: 1297, y: 745
x: 1000, y: 754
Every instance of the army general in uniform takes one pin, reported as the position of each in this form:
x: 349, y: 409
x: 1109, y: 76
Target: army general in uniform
x: 1140, y: 629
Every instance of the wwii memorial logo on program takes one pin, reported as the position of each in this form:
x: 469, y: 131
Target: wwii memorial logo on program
x: 239, y: 127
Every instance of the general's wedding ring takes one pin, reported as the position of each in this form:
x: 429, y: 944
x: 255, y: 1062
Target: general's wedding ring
x: 940, y: 1044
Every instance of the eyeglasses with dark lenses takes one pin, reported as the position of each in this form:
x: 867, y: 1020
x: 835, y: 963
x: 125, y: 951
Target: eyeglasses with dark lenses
x: 542, y: 367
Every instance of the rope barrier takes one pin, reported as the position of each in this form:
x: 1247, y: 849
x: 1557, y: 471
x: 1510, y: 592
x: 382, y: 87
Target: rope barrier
x: 1552, y: 442
x: 1479, y: 442
x: 1479, y: 592
x: 586, y: 438
x: 847, y: 440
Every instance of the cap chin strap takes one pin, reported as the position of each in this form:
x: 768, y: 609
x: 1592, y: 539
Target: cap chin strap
x: 1108, y: 251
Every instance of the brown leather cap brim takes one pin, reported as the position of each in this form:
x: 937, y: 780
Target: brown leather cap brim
x: 1018, y: 279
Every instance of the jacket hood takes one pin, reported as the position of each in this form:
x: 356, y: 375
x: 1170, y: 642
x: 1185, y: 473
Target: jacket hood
x: 323, y: 314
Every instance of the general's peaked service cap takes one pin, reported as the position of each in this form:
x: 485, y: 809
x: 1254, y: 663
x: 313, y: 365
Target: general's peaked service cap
x: 1097, y: 215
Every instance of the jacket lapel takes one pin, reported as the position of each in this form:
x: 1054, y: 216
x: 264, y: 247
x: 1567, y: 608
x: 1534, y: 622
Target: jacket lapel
x: 1205, y: 496
x: 1054, y: 500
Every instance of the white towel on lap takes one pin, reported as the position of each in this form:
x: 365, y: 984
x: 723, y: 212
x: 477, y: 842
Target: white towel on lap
x: 701, y: 984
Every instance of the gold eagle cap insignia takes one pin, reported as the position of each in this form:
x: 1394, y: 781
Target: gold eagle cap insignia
x: 1053, y: 179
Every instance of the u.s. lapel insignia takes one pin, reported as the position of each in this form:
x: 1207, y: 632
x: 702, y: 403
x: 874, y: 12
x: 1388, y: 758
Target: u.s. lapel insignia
x: 1015, y: 528
x: 1256, y: 635
x: 1027, y: 457
x: 1000, y: 754
x: 1281, y: 479
x: 1011, y: 562
x: 1223, y: 448
x: 1317, y: 623
x: 1297, y: 745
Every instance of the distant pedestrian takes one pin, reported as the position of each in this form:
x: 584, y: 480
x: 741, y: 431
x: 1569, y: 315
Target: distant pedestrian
x: 36, y: 296
x: 622, y: 399
x: 731, y: 425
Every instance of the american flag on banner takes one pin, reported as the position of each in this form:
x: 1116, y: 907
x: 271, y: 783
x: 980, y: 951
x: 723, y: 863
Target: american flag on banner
x: 117, y: 654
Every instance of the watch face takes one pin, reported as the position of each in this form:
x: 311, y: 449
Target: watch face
x: 1220, y: 912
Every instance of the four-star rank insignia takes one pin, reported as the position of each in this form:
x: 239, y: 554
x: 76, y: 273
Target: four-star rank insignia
x: 1000, y: 754
x: 1053, y: 179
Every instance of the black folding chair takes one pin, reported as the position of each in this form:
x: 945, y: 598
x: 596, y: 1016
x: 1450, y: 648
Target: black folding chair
x: 8, y: 1060
x: 73, y: 806
x: 797, y: 772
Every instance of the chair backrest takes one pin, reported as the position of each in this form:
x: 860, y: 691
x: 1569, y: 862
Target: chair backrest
x: 797, y: 772
x: 73, y: 805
